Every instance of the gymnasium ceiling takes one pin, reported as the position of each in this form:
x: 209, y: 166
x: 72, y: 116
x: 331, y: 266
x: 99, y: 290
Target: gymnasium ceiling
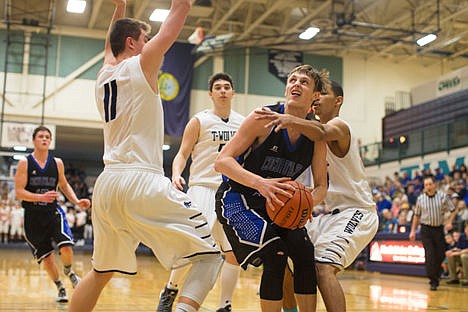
x: 372, y: 29
x: 368, y: 28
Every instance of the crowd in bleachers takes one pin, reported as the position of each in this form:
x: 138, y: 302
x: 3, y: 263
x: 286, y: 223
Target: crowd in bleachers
x: 396, y: 197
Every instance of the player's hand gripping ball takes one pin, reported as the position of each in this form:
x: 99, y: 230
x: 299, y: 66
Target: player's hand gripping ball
x: 295, y: 211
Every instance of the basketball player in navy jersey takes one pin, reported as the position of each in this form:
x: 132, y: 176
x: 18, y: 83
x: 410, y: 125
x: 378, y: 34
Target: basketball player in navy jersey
x: 133, y: 202
x: 36, y: 182
x: 204, y: 136
x: 257, y: 162
x: 342, y: 234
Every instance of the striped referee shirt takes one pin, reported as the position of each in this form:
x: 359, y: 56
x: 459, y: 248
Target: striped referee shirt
x: 432, y: 209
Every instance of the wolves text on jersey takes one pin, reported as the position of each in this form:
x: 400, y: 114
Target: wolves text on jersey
x: 353, y: 223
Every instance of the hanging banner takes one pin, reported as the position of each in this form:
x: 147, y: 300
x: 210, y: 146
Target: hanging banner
x: 20, y: 134
x: 280, y: 63
x: 175, y: 82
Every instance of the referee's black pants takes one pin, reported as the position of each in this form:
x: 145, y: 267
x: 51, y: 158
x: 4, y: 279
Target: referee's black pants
x: 433, y: 241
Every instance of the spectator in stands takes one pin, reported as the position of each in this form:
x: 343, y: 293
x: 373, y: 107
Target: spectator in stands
x: 396, y: 204
x: 402, y: 225
x: 409, y: 212
x: 17, y: 221
x: 460, y: 188
x: 456, y: 173
x: 462, y: 214
x: 450, y: 243
x: 396, y: 190
x: 405, y: 179
x: 80, y: 221
x: 4, y: 221
x: 383, y: 203
x: 439, y: 175
x: 387, y: 221
x: 427, y: 173
x: 71, y: 218
x: 411, y: 195
x: 417, y: 179
x: 417, y: 183
x: 88, y: 229
x: 459, y: 254
x: 429, y: 211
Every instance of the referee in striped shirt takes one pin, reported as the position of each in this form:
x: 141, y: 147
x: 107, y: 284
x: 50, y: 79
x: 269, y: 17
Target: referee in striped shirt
x: 430, y: 209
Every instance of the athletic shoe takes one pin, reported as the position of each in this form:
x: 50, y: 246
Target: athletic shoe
x: 464, y: 283
x: 62, y: 295
x: 433, y: 287
x: 453, y: 282
x: 225, y: 309
x: 166, y: 299
x: 74, y: 279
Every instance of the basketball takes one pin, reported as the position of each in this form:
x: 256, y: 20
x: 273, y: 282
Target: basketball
x: 296, y: 210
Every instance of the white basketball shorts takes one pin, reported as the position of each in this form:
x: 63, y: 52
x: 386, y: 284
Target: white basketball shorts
x: 204, y: 197
x: 339, y: 238
x: 133, y: 205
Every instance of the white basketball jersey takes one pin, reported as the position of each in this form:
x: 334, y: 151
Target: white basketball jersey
x: 132, y: 115
x: 214, y: 134
x: 347, y: 187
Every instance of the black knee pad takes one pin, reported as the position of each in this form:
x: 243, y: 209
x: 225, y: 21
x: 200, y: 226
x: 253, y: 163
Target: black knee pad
x: 274, y: 263
x: 301, y: 252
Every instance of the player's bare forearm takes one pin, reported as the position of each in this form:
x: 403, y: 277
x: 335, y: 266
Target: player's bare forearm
x: 312, y: 129
x: 318, y: 194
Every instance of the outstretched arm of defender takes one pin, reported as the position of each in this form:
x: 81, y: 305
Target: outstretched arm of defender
x: 314, y: 130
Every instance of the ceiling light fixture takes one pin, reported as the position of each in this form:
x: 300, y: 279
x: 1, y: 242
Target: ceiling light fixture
x: 159, y: 15
x: 76, y: 6
x: 426, y: 39
x: 309, y: 33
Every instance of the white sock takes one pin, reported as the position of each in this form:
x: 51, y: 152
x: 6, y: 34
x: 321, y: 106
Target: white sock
x: 228, y: 280
x: 183, y: 307
x: 176, y: 276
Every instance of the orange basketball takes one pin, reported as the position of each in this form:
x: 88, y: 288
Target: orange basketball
x: 296, y: 210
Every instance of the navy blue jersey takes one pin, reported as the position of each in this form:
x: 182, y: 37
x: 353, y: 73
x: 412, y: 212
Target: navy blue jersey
x: 41, y: 180
x: 276, y: 157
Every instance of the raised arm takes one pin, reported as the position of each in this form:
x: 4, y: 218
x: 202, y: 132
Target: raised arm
x: 153, y: 52
x: 119, y: 12
x: 189, y: 139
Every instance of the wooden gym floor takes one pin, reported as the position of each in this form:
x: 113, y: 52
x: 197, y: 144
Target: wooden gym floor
x: 25, y: 286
